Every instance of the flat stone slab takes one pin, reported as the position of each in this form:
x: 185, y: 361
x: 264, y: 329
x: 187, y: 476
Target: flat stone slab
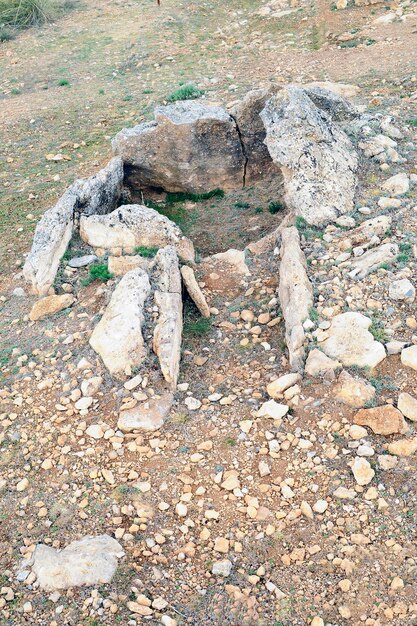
x: 147, y: 416
x: 82, y: 261
x: 350, y: 342
x: 89, y: 561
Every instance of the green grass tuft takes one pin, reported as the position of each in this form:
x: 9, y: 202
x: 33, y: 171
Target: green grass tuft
x: 6, y: 34
x: 196, y: 327
x: 307, y: 231
x: 147, y: 251
x: 63, y: 82
x: 186, y: 92
x: 25, y: 13
x: 275, y: 207
x: 183, y: 196
x: 98, y: 271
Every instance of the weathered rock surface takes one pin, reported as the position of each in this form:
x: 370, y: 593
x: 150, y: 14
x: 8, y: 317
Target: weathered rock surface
x: 345, y: 90
x: 278, y: 386
x: 317, y: 159
x: 166, y: 270
x: 252, y: 133
x: 117, y: 338
x: 362, y: 471
x: 133, y: 225
x: 350, y: 342
x: 409, y: 357
x: 355, y: 392
x: 273, y: 409
x: 50, y: 305
x: 167, y: 334
x: 120, y: 265
x: 333, y: 103
x: 100, y: 193
x: 233, y: 257
x: 376, y: 226
x: 408, y: 406
x: 194, y: 291
x: 50, y: 241
x: 402, y: 290
x: 372, y: 260
x: 319, y: 364
x: 82, y: 261
x: 383, y: 420
x: 190, y: 147
x: 147, y: 416
x: 295, y: 294
x: 403, y: 447
x: 89, y: 561
x: 397, y: 185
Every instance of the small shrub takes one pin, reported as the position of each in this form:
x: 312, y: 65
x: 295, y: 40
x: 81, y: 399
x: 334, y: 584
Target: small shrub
x: 6, y: 34
x: 403, y: 259
x: 26, y: 13
x: 306, y: 230
x: 186, y: 92
x: 275, y: 207
x: 259, y: 209
x: 412, y: 122
x: 98, y: 271
x: 242, y: 205
x: 146, y: 251
x: 314, y: 316
x: 63, y: 82
x: 378, y: 332
x: 183, y: 196
x: 197, y: 327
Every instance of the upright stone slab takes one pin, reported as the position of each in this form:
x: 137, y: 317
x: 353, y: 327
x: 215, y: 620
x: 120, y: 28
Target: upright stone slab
x: 317, y: 159
x: 99, y: 194
x: 190, y: 147
x: 50, y: 241
x: 117, y: 338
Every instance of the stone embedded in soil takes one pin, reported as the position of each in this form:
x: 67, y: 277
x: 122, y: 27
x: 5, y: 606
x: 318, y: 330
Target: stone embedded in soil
x: 167, y: 335
x: 82, y: 261
x: 133, y: 225
x: 273, y: 410
x: 194, y: 290
x: 222, y: 568
x: 146, y: 416
x: 403, y: 447
x: 372, y: 260
x: 319, y: 364
x: 402, y: 290
x: 117, y: 338
x: 350, y: 341
x: 50, y: 305
x: 190, y: 147
x: 277, y: 387
x: 409, y: 357
x: 383, y: 420
x: 407, y: 404
x: 317, y: 158
x: 355, y: 392
x: 362, y: 471
x: 89, y: 561
x: 295, y: 295
x: 397, y: 185
x: 120, y: 265
x: 235, y: 258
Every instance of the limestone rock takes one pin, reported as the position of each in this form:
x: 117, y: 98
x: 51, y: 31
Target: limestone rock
x: 233, y: 257
x: 194, y: 290
x: 190, y: 147
x: 120, y: 265
x: 100, y: 193
x: 350, y: 341
x: 50, y: 241
x: 362, y: 471
x: 273, y: 410
x: 403, y: 447
x: 372, y: 260
x: 252, y: 133
x: 397, y: 185
x: 409, y: 357
x: 295, y: 294
x: 278, y: 386
x: 355, y: 392
x: 147, y: 416
x: 222, y: 568
x: 133, y: 225
x: 167, y: 334
x: 333, y: 103
x: 383, y: 420
x: 117, y: 338
x: 89, y: 561
x: 408, y: 406
x: 50, y: 305
x: 340, y: 89
x: 317, y: 158
x: 320, y: 365
x: 402, y: 290
x: 166, y: 270
x: 376, y: 226
x: 82, y: 261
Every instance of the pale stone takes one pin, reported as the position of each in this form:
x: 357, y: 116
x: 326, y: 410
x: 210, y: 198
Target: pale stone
x: 295, y: 295
x: 82, y: 261
x: 350, y: 341
x: 387, y: 462
x: 382, y: 420
x: 117, y: 338
x: 409, y: 357
x: 235, y: 258
x: 402, y: 290
x: 357, y: 432
x: 355, y: 392
x: 281, y: 384
x: 397, y: 185
x: 120, y: 265
x: 273, y: 410
x: 408, y: 406
x: 147, y: 416
x: 194, y: 290
x: 50, y: 305
x: 167, y: 335
x: 403, y: 447
x: 89, y: 561
x: 133, y: 225
x: 90, y: 386
x: 222, y: 568
x: 318, y: 364
x: 372, y: 260
x: 362, y: 471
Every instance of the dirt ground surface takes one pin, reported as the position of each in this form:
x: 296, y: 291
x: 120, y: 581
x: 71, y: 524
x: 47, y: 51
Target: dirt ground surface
x: 299, y: 551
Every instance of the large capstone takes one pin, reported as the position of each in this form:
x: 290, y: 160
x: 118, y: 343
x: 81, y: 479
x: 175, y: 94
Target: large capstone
x: 190, y: 147
x: 317, y: 158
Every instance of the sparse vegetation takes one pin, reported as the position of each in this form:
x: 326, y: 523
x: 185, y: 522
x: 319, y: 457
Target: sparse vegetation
x: 21, y: 14
x: 97, y: 271
x: 146, y: 251
x: 186, y: 92
x: 275, y: 207
x: 196, y: 326
x: 183, y: 196
x: 307, y: 231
